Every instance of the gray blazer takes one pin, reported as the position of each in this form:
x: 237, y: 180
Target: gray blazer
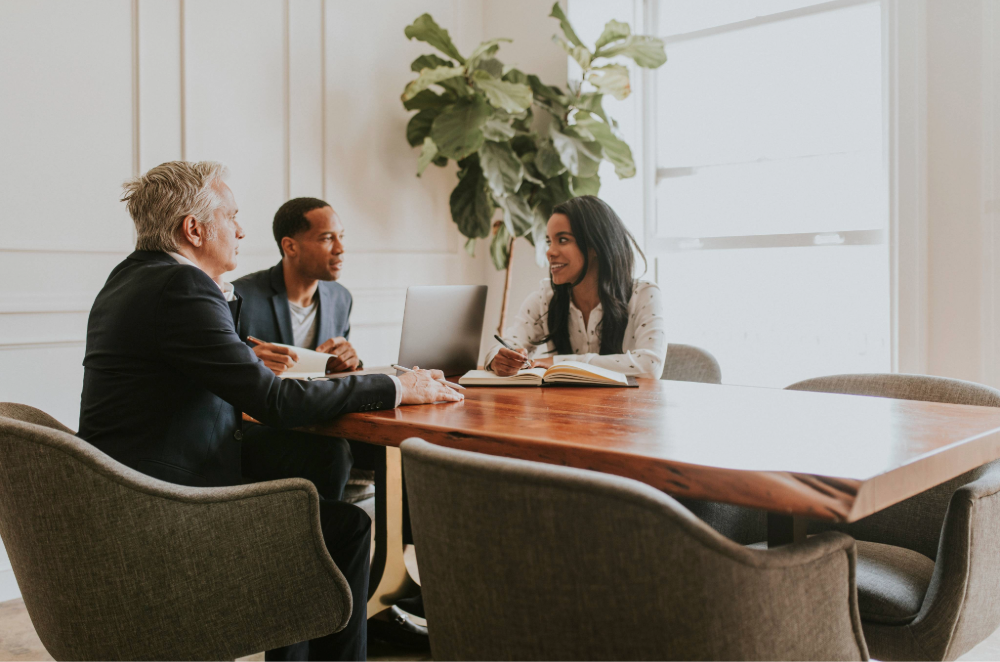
x: 265, y: 313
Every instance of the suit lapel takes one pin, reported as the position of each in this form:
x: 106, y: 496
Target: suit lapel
x: 325, y: 315
x: 279, y: 301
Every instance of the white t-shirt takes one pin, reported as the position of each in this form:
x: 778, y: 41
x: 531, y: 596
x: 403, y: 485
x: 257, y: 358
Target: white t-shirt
x: 304, y: 323
x: 644, y: 344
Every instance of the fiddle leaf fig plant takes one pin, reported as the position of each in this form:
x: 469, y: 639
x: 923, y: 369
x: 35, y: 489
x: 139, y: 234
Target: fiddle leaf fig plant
x: 522, y: 147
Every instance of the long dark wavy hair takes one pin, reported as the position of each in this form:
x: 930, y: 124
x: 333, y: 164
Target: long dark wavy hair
x: 596, y: 225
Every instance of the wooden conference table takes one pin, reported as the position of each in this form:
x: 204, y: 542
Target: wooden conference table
x: 797, y: 455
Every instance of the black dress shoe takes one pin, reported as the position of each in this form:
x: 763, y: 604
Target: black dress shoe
x: 395, y: 627
x: 414, y: 605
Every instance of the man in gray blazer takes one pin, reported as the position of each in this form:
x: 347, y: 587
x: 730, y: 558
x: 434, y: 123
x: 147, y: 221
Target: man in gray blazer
x: 298, y: 302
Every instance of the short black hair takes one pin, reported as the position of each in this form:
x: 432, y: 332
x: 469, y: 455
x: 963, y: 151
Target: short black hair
x: 290, y: 219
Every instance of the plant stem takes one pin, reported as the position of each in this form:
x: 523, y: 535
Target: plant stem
x: 506, y: 287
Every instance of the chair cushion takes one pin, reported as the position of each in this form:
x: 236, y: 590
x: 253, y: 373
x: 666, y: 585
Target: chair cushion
x: 892, y: 582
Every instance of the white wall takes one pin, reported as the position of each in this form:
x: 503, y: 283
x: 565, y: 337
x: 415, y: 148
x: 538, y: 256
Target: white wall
x: 296, y: 97
x: 963, y: 183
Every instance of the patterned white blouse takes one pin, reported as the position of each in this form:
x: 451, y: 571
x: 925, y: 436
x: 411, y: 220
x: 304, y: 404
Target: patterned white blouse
x: 644, y: 345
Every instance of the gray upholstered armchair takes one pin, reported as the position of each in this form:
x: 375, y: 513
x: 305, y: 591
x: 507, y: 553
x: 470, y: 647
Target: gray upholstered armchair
x: 524, y: 561
x: 687, y: 363
x: 928, y: 567
x: 113, y: 564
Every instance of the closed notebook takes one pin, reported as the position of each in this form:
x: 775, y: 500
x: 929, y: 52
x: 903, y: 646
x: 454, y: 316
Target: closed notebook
x: 568, y: 373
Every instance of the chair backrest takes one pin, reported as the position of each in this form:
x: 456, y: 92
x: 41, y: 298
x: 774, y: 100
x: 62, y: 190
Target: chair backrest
x: 113, y: 564
x: 687, y: 363
x: 521, y: 560
x: 916, y: 522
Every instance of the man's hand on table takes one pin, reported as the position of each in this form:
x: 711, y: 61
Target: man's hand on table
x: 344, y: 357
x: 277, y: 358
x: 424, y: 386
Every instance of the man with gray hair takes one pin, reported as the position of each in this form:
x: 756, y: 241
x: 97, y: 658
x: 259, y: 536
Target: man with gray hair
x: 166, y: 377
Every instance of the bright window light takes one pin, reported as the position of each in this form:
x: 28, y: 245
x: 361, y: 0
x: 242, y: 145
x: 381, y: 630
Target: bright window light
x: 771, y: 203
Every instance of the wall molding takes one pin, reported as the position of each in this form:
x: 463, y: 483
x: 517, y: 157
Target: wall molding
x: 70, y: 302
x: 37, y: 344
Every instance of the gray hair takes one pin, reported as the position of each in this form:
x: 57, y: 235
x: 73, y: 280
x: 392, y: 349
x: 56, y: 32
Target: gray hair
x: 160, y: 199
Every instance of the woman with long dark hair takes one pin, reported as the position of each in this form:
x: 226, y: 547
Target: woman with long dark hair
x: 590, y: 309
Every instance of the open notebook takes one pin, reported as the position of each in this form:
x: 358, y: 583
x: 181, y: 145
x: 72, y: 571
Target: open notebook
x: 312, y: 365
x: 568, y: 373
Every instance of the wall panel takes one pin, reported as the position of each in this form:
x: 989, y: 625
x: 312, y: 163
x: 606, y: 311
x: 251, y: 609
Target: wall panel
x: 234, y: 73
x: 65, y: 123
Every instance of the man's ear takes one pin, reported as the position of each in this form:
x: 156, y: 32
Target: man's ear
x: 289, y: 247
x: 192, y: 232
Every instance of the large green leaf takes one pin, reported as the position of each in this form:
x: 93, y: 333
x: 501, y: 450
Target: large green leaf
x: 419, y: 126
x: 517, y: 215
x: 547, y: 92
x: 513, y: 75
x: 471, y: 208
x: 567, y: 29
x: 427, y: 78
x: 578, y: 157
x: 511, y: 97
x: 548, y: 162
x: 581, y: 54
x: 457, y: 130
x: 427, y: 154
x: 504, y: 171
x: 487, y: 49
x: 500, y: 248
x: 615, y: 149
x: 429, y: 99
x: 585, y: 185
x: 593, y: 102
x: 430, y: 61
x: 425, y: 29
x: 498, y: 129
x: 645, y: 51
x: 611, y: 79
x: 492, y: 66
x: 613, y: 31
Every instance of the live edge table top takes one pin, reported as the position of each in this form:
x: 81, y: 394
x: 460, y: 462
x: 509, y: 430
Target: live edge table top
x: 818, y: 455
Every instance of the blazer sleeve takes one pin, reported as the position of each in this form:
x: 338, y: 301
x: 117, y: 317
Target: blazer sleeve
x: 196, y: 336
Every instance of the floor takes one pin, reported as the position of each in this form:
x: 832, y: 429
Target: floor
x: 19, y: 642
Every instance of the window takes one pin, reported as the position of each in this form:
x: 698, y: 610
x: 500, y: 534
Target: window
x: 770, y: 224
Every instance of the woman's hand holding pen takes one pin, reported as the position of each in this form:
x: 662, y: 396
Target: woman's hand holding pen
x: 508, y: 361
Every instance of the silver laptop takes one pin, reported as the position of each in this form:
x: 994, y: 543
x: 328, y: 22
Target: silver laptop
x: 442, y: 327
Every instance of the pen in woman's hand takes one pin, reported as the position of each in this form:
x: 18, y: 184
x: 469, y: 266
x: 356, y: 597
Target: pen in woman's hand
x: 527, y: 361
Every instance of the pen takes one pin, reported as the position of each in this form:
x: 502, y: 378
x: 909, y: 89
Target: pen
x: 451, y: 385
x: 527, y: 363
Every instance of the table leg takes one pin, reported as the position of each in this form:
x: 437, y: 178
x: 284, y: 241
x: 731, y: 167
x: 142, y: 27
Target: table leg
x: 785, y: 529
x: 389, y: 579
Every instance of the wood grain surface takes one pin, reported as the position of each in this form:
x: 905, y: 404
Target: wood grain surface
x: 820, y: 455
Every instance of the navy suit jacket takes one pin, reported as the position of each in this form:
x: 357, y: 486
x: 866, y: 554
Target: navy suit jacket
x: 265, y: 313
x: 166, y: 377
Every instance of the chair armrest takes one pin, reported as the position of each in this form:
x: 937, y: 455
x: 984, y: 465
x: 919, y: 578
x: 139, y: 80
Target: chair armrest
x: 960, y: 608
x: 114, y: 564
